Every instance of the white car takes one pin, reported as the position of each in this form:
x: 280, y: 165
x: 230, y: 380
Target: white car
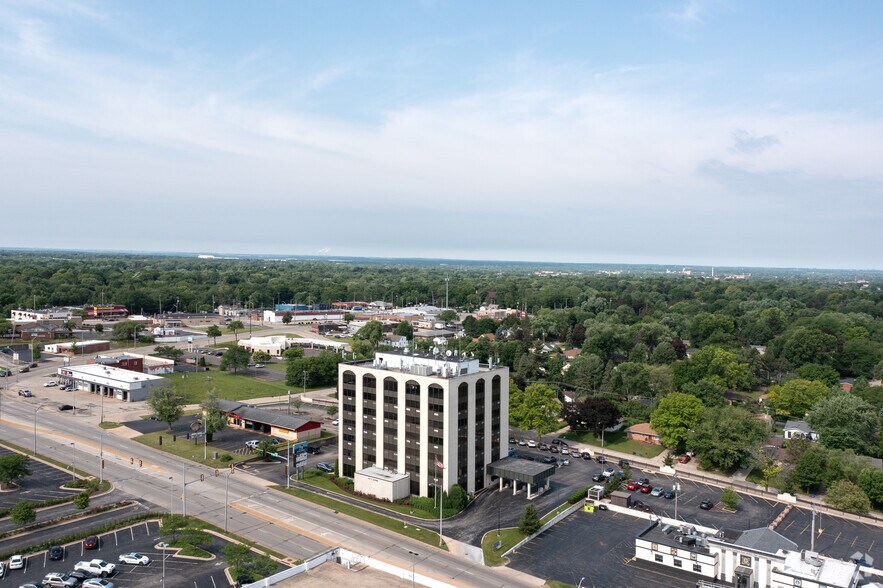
x: 531, y: 443
x: 16, y: 562
x: 50, y: 383
x: 96, y: 566
x: 252, y: 443
x: 258, y: 365
x: 335, y: 422
x: 2, y: 569
x: 134, y: 558
x: 97, y: 583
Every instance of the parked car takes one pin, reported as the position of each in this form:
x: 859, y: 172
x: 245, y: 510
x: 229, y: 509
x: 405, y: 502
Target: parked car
x: 253, y: 444
x: 90, y: 542
x: 50, y: 383
x: 553, y: 448
x: 97, y: 583
x: 16, y: 562
x: 56, y: 552
x: 684, y: 458
x: 646, y: 488
x: 522, y: 442
x: 82, y: 575
x: 335, y: 422
x: 587, y: 455
x: 24, y: 370
x: 601, y: 459
x: 641, y: 506
x: 58, y: 580
x: 25, y: 393
x: 544, y: 447
x: 549, y: 459
x: 643, y: 481
x: 563, y: 461
x: 2, y: 569
x: 558, y: 442
x: 657, y: 491
x: 531, y: 443
x: 511, y: 440
x: 314, y: 449
x: 599, y: 478
x: 575, y: 453
x: 134, y: 558
x: 608, y: 472
x: 706, y: 505
x: 31, y: 585
x: 65, y: 407
x: 325, y: 467
x: 258, y: 365
x: 669, y: 494
x: 96, y: 566
x: 632, y: 486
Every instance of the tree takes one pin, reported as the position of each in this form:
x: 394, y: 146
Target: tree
x: 23, y: 512
x: 530, y: 521
x: 848, y: 497
x: 321, y: 370
x: 796, y: 397
x: 126, y: 330
x: 236, y: 326
x: 37, y: 350
x: 405, y: 329
x: 99, y: 328
x: 807, y: 345
x: 722, y: 367
x: 13, y: 467
x: 448, y: 316
x: 215, y: 418
x: 536, y: 407
x: 82, y: 500
x: 769, y: 469
x: 809, y: 472
x: 871, y: 481
x: 348, y: 317
x: 331, y: 410
x: 674, y: 416
x: 590, y: 414
x: 371, y: 332
x: 286, y: 318
x: 844, y: 421
x: 586, y: 371
x: 728, y: 437
x: 706, y: 390
x: 245, y: 562
x: 820, y: 373
x: 265, y: 448
x: 214, y: 332
x: 235, y: 358
x: 169, y: 351
x: 260, y: 357
x: 664, y: 354
x: 5, y: 326
x: 167, y: 405
x: 293, y: 353
x: 730, y: 498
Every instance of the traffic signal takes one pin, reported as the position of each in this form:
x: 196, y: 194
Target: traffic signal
x: 202, y: 477
x: 140, y: 463
x: 102, y: 464
x: 217, y: 473
x: 132, y: 461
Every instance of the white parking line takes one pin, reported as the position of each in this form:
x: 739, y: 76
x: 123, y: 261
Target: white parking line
x: 213, y: 581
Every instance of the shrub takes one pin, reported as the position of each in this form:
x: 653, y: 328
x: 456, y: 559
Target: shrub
x: 82, y: 500
x: 578, y: 495
x: 730, y: 498
x: 530, y: 521
x: 23, y: 513
x: 225, y: 457
x: 845, y: 495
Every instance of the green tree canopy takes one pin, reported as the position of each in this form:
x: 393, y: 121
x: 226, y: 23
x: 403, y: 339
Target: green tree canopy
x: 728, y: 437
x: 371, y: 332
x: 590, y: 414
x: 530, y: 521
x: 169, y: 351
x: 448, y: 316
x: 235, y: 359
x: 293, y: 353
x: 536, y: 407
x: 720, y: 366
x: 848, y: 497
x: 871, y: 481
x: 795, y: 397
x: 13, y: 467
x: 674, y: 417
x: 820, y: 373
x: 125, y: 330
x: 236, y: 326
x: 260, y: 356
x: 215, y: 418
x: 405, y: 329
x: 23, y: 512
x: 809, y: 471
x: 844, y: 421
x: 321, y: 370
x: 214, y: 332
x: 167, y: 405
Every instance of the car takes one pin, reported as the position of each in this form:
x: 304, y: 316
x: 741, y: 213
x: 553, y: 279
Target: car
x: 632, y: 486
x: 258, y: 365
x: 643, y: 481
x: 684, y: 458
x: 623, y: 463
x: 706, y: 504
x: 575, y: 453
x: 82, y: 575
x: 58, y: 580
x: 98, y: 567
x: 50, y: 384
x: 522, y: 442
x: 277, y: 440
x: 669, y: 494
x: 553, y: 448
x: 90, y: 542
x: 646, y: 488
x: 335, y: 422
x: 65, y: 388
x: 511, y: 440
x: 608, y: 472
x: 31, y: 585
x: 599, y: 478
x: 253, y: 443
x: 25, y: 393
x: 97, y: 583
x: 601, y: 459
x: 531, y: 443
x: 549, y: 459
x: 641, y: 506
x: 563, y: 462
x: 587, y: 455
x: 56, y: 552
x: 2, y: 569
x: 134, y: 558
x: 657, y: 491
x: 64, y: 407
x: 544, y: 447
x: 24, y: 370
x: 314, y: 449
x: 33, y: 365
x: 564, y: 448
x: 325, y: 467
x: 16, y: 562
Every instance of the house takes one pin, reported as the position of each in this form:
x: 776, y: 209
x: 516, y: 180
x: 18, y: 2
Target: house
x: 41, y: 332
x: 572, y: 353
x: 395, y: 341
x: 644, y: 433
x: 800, y: 430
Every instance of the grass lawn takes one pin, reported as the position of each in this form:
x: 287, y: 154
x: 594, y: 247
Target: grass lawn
x: 508, y: 537
x: 322, y: 480
x: 109, y: 425
x: 557, y: 584
x: 379, y: 520
x: 617, y: 442
x: 188, y: 449
x: 229, y: 386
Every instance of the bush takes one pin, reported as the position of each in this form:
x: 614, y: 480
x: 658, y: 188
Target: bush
x: 422, y: 503
x: 82, y: 500
x: 578, y: 495
x: 530, y: 521
x: 23, y: 513
x: 730, y: 498
x: 845, y: 495
x: 225, y: 457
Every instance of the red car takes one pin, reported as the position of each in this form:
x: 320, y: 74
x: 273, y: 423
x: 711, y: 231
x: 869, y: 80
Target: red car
x: 632, y: 486
x: 684, y: 458
x: 90, y: 542
x: 646, y: 488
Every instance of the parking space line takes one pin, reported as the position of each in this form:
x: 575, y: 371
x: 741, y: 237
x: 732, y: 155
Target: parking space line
x: 116, y: 539
x: 132, y: 531
x: 213, y: 581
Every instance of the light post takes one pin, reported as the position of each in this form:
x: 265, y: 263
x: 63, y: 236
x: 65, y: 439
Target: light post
x: 305, y: 382
x: 414, y: 555
x: 676, y: 488
x: 73, y: 460
x: 171, y: 490
x: 289, y: 402
x: 204, y: 436
x: 101, y: 457
x: 226, y: 496
x: 35, y: 427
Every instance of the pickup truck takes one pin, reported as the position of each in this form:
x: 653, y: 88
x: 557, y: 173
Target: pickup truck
x: 96, y: 566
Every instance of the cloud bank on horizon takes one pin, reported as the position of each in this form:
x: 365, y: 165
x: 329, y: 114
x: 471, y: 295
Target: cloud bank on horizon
x: 715, y: 132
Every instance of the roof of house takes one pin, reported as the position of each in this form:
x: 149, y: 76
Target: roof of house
x: 642, y: 429
x: 799, y: 426
x: 572, y: 353
x: 762, y: 539
x: 267, y: 417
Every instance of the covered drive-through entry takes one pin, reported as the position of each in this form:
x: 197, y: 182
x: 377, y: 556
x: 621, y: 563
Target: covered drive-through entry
x: 533, y: 475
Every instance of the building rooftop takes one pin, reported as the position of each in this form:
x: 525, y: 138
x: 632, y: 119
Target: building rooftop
x: 824, y: 571
x: 382, y: 474
x: 432, y: 365
x: 267, y: 417
x: 674, y: 536
x: 764, y: 539
x: 801, y: 426
x: 110, y: 373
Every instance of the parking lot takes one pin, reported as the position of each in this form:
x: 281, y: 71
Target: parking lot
x: 598, y: 547
x: 141, y: 538
x: 44, y: 483
x: 838, y: 538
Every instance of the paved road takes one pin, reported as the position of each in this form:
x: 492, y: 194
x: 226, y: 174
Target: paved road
x: 288, y: 525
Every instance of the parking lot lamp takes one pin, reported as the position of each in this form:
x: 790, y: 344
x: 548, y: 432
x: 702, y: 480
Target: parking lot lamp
x: 73, y: 460
x: 414, y: 555
x: 226, y: 496
x: 677, y: 490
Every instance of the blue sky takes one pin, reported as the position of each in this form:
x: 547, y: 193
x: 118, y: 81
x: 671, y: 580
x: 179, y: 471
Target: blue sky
x: 712, y: 132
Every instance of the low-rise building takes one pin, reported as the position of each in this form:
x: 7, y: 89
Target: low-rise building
x: 45, y: 314
x: 383, y: 484
x: 275, y: 345
x: 800, y: 430
x: 111, y: 382
x: 270, y: 422
x: 113, y: 311
x: 644, y: 433
x: 78, y: 347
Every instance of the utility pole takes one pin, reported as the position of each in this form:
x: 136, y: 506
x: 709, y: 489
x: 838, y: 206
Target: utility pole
x: 446, y: 291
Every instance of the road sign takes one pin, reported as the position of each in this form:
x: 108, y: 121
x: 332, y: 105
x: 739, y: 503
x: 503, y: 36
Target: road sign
x: 300, y: 459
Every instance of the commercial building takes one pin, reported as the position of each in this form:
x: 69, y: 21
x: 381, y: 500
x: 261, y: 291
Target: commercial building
x: 300, y: 316
x: 46, y: 314
x: 383, y: 484
x: 111, y: 382
x: 270, y: 422
x: 275, y: 345
x: 441, y: 419
x: 78, y: 347
x: 114, y: 311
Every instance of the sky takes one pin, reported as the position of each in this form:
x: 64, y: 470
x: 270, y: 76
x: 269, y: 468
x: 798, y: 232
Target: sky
x: 695, y: 132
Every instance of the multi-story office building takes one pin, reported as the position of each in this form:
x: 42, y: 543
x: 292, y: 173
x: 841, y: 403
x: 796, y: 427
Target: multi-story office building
x: 440, y: 419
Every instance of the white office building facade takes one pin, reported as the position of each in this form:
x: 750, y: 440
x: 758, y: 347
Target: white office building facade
x: 439, y: 419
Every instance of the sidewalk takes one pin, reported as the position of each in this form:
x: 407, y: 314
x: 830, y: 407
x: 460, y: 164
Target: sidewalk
x: 61, y: 510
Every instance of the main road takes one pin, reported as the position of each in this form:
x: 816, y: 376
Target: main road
x: 290, y: 526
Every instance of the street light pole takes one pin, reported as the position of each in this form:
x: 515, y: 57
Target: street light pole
x: 73, y: 460
x: 413, y: 566
x: 226, y: 497
x: 289, y: 402
x: 101, y: 457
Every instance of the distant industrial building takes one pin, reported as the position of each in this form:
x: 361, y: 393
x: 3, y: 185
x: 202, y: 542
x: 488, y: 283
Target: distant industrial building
x: 46, y: 314
x: 440, y: 419
x: 78, y: 347
x: 115, y: 311
x: 275, y: 345
x: 111, y: 382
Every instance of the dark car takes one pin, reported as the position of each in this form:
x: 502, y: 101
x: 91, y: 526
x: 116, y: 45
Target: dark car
x: 65, y: 407
x: 623, y: 463
x: 549, y: 459
x: 553, y: 449
x: 669, y: 494
x: 601, y: 459
x: 314, y: 449
x: 90, y: 542
x: 83, y: 575
x: 643, y: 481
x: 24, y: 370
x: 512, y: 441
x: 325, y: 467
x: 706, y: 505
x: 544, y: 447
x: 56, y: 552
x: 599, y: 478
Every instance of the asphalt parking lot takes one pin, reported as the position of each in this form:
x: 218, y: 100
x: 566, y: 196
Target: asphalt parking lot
x: 598, y: 547
x: 839, y: 537
x: 143, y: 539
x: 44, y: 483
